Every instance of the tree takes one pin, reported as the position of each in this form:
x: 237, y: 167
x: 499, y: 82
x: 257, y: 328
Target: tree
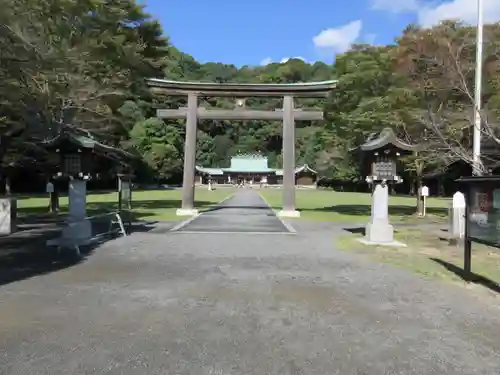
x: 159, y: 143
x: 82, y: 64
x: 440, y: 67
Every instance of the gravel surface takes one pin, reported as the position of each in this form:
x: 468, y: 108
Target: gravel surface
x: 178, y: 303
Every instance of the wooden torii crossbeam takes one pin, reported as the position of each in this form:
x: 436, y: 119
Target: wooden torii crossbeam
x: 288, y: 114
x: 239, y: 114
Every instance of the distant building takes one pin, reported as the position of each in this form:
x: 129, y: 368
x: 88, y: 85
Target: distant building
x: 253, y: 169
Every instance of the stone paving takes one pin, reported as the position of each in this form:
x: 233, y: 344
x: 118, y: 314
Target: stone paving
x: 172, y: 303
x: 244, y: 212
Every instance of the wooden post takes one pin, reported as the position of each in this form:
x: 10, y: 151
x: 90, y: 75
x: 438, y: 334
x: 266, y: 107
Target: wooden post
x: 187, y: 208
x: 288, y: 159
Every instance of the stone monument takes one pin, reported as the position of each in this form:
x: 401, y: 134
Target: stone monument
x: 380, y: 153
x: 457, y: 216
x: 8, y: 213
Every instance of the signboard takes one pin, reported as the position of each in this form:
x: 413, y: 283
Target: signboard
x: 425, y: 191
x: 49, y: 187
x: 384, y: 168
x: 484, y: 215
x: 72, y: 163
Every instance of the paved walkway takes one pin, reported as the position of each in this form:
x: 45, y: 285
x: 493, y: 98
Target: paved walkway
x: 236, y: 304
x: 244, y: 212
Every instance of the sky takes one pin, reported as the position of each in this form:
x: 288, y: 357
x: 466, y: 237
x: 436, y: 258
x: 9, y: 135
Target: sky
x: 258, y: 32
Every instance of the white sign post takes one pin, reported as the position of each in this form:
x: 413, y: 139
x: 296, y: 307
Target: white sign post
x: 457, y: 219
x: 425, y: 194
x: 49, y: 187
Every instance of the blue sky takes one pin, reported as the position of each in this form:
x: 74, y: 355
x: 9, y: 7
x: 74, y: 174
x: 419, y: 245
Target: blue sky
x: 257, y: 31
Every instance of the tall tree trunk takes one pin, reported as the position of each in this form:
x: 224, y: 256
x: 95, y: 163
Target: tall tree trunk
x: 412, y: 186
x: 440, y: 183
x: 420, y: 202
x: 7, y: 185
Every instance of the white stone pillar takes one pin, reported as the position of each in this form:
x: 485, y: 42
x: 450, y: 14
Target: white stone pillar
x: 379, y: 230
x: 457, y: 216
x: 8, y: 214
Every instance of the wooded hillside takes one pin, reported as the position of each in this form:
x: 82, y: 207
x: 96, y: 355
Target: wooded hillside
x: 82, y: 63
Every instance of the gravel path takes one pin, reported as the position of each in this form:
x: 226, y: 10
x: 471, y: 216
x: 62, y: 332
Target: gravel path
x: 244, y: 212
x: 178, y: 303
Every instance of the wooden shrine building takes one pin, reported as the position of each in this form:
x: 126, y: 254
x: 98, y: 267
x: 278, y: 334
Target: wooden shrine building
x: 253, y: 169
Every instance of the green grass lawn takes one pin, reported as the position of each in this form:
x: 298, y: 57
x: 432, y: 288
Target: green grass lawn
x: 428, y: 255
x: 320, y: 205
x: 146, y: 204
x: 329, y: 205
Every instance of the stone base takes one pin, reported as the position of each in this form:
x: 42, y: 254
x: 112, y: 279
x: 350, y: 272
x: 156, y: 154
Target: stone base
x: 371, y: 243
x: 379, y: 232
x: 74, y: 235
x: 186, y: 212
x: 79, y: 232
x: 289, y: 213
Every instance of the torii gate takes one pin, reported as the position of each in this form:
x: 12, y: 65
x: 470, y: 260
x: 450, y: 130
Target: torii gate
x: 289, y: 114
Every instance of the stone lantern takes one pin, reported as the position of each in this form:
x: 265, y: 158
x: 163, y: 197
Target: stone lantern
x: 77, y: 154
x: 75, y: 165
x: 380, y: 154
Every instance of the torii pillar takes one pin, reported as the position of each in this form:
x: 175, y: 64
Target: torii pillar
x: 188, y: 185
x: 288, y: 209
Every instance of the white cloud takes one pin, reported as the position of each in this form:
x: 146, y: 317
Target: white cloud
x: 268, y: 60
x: 285, y: 59
x: 465, y: 10
x: 429, y: 15
x: 396, y: 6
x: 339, y: 39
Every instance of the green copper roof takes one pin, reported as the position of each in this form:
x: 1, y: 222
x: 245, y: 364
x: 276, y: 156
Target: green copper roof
x: 249, y: 163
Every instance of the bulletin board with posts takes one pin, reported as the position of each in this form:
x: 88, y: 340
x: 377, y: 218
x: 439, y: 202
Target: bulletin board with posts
x: 482, y: 213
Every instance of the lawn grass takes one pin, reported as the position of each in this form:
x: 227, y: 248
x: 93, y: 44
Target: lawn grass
x: 428, y: 255
x: 333, y: 206
x: 147, y: 204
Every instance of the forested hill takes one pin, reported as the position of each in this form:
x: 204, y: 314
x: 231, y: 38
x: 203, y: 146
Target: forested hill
x: 82, y: 63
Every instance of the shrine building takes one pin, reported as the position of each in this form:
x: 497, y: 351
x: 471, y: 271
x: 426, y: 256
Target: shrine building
x: 253, y: 169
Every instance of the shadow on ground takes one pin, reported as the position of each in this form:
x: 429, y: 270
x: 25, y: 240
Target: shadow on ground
x: 218, y: 208
x: 94, y: 208
x: 472, y: 277
x: 25, y: 254
x: 356, y: 230
x: 362, y: 210
x: 365, y: 210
